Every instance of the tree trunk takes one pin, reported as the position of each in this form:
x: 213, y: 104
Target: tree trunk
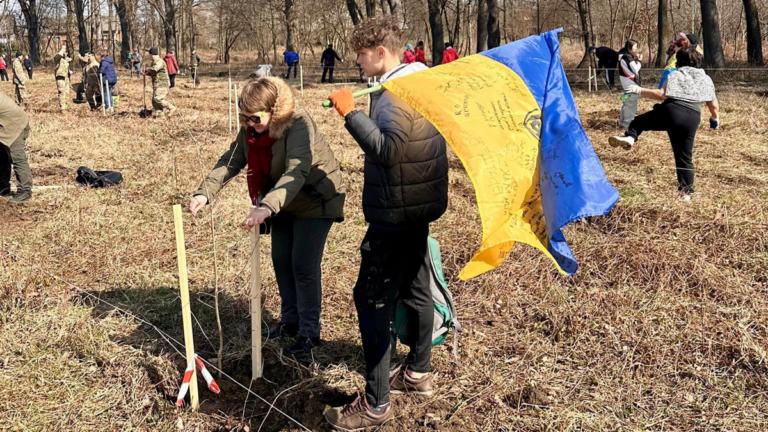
x: 288, y: 19
x: 354, y: 12
x: 392, y: 6
x: 494, y: 35
x: 111, y: 44
x: 713, y: 45
x: 754, y: 37
x: 370, y: 8
x: 125, y: 29
x: 192, y: 35
x: 435, y: 8
x: 584, y: 31
x: 663, y: 28
x: 29, y: 10
x: 481, y: 43
x: 169, y: 26
x: 457, y: 22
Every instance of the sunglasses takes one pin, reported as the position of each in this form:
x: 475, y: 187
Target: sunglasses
x: 253, y: 119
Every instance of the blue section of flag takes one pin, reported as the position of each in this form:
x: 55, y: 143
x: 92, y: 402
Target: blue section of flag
x: 573, y: 183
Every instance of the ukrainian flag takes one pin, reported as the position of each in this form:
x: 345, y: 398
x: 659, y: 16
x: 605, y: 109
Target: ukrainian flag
x: 509, y: 115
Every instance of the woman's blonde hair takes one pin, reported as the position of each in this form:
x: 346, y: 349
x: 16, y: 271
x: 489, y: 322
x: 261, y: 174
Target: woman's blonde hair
x: 259, y: 95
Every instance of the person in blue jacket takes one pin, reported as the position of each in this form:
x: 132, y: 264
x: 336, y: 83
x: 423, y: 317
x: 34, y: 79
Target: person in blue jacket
x: 292, y: 60
x: 108, y: 77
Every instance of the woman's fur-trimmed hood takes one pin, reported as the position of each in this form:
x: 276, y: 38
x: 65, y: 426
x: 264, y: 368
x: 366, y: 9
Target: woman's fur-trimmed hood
x: 282, y: 113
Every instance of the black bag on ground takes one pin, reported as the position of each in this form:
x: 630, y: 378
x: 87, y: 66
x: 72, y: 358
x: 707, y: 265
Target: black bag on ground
x: 98, y: 179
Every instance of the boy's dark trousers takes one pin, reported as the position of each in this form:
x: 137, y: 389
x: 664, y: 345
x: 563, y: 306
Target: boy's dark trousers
x: 328, y: 69
x: 681, y: 124
x: 394, y: 264
x: 4, y: 74
x: 15, y: 155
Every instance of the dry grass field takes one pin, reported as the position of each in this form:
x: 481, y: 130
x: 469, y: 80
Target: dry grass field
x: 664, y: 327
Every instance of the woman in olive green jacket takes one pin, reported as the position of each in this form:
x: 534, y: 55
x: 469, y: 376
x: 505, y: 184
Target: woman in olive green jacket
x: 294, y: 180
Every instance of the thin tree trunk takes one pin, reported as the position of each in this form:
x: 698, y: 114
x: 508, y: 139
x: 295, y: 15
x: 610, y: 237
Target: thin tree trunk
x: 125, y: 29
x: 354, y: 12
x: 169, y: 26
x: 288, y: 23
x: 435, y: 8
x: 754, y: 36
x: 481, y: 42
x: 456, y: 27
x: 713, y: 45
x: 582, y: 8
x: 494, y: 36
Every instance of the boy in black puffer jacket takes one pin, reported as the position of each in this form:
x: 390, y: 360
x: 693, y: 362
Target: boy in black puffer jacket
x: 405, y: 189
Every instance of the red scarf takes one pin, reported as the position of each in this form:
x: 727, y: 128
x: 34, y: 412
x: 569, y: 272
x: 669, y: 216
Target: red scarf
x: 259, y: 163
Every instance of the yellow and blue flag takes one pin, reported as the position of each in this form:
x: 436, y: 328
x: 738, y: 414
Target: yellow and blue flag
x: 509, y: 115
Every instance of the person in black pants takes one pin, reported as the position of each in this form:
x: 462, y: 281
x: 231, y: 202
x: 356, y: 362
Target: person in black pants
x: 328, y: 61
x: 28, y: 66
x: 683, y: 95
x: 607, y: 59
x: 405, y: 189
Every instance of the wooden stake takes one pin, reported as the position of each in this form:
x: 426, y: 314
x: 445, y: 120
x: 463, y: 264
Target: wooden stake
x: 237, y: 110
x: 229, y: 89
x: 301, y: 77
x: 186, y: 311
x: 255, y: 305
x: 103, y: 100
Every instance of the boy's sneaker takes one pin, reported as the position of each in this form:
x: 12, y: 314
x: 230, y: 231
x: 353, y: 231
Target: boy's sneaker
x: 624, y: 142
x: 358, y: 415
x: 685, y: 196
x: 402, y: 382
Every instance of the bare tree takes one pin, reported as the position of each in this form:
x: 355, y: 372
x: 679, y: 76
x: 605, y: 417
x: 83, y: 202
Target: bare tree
x: 354, y: 12
x: 582, y: 9
x: 32, y: 16
x: 288, y: 22
x: 713, y: 45
x: 123, y: 14
x: 754, y: 37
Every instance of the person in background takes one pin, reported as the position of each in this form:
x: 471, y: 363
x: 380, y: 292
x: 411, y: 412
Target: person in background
x: 28, y: 66
x: 195, y: 67
x: 3, y: 69
x: 291, y: 58
x: 449, y: 54
x: 108, y: 79
x: 408, y: 55
x: 92, y: 84
x: 160, y: 84
x: 405, y: 189
x: 607, y: 60
x: 686, y: 91
x: 173, y: 67
x: 19, y: 79
x: 13, y: 151
x: 328, y: 61
x: 295, y: 181
x: 136, y: 64
x: 629, y: 74
x: 61, y: 74
x: 420, y: 56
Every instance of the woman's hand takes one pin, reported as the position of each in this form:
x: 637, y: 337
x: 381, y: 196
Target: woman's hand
x: 196, y: 203
x: 256, y: 217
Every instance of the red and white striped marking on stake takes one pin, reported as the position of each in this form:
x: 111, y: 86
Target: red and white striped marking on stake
x: 185, y: 384
x: 212, y: 386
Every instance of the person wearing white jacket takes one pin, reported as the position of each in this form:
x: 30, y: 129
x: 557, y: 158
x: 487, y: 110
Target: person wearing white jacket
x: 629, y: 73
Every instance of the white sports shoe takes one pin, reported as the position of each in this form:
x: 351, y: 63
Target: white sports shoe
x: 624, y: 142
x: 685, y: 197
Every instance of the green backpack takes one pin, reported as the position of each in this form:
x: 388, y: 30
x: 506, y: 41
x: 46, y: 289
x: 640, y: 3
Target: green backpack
x: 445, y: 312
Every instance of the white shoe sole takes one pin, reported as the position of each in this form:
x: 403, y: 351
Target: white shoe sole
x: 420, y: 393
x: 615, y: 142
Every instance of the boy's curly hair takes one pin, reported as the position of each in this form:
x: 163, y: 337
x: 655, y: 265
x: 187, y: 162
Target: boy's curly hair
x: 378, y: 31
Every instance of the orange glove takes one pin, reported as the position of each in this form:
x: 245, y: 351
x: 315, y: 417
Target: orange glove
x: 343, y: 101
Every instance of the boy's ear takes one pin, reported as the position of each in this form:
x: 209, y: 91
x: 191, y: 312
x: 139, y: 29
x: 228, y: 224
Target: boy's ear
x: 381, y: 51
